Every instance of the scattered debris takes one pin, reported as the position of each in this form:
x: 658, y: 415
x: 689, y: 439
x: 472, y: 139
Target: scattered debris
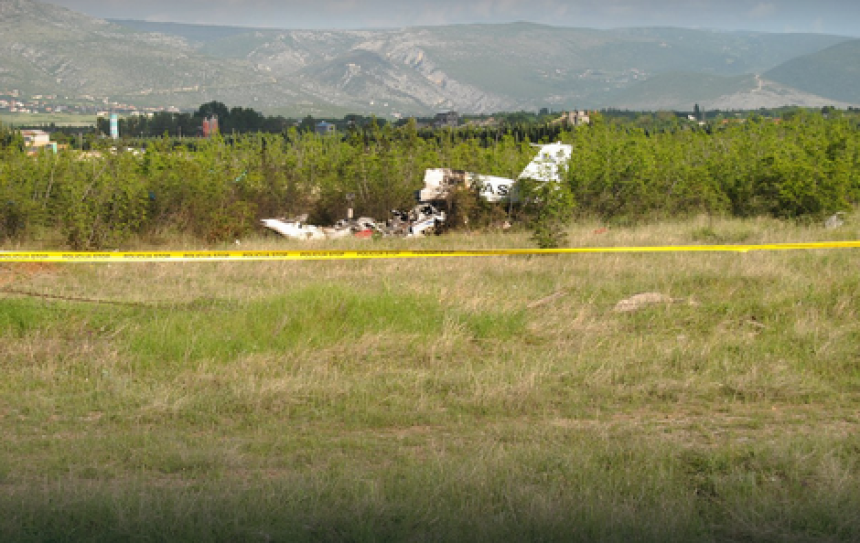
x: 835, y: 221
x: 422, y: 220
x: 363, y: 227
x: 425, y: 219
x: 298, y: 229
x: 294, y: 229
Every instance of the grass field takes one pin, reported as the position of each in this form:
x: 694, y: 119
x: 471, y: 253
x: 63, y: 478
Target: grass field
x: 37, y: 119
x: 484, y: 399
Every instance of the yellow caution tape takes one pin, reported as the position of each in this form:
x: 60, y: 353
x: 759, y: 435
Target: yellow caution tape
x: 210, y: 256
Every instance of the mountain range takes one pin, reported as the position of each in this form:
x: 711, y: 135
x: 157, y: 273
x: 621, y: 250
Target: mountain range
x: 48, y: 50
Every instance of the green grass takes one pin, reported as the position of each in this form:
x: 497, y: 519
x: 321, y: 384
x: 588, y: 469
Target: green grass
x: 37, y: 119
x: 439, y: 400
x: 313, y: 317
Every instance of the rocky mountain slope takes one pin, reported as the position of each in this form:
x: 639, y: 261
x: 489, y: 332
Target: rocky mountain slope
x: 50, y: 50
x: 470, y: 68
x: 833, y: 72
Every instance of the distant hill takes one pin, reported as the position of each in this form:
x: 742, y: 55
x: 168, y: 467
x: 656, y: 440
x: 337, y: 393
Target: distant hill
x: 45, y: 49
x: 712, y: 92
x: 192, y: 33
x: 470, y: 68
x: 832, y: 73
x: 666, y: 91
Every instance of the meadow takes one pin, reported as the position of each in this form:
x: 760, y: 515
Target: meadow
x: 473, y: 399
x: 46, y: 119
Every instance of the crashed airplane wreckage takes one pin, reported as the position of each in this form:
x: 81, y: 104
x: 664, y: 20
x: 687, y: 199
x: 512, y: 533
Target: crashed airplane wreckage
x: 548, y: 165
x: 424, y: 219
x: 428, y: 216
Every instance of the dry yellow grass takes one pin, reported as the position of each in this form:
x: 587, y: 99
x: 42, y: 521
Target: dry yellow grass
x: 436, y: 398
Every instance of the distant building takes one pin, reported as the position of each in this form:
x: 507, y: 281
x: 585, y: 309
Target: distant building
x: 324, y: 129
x: 449, y: 119
x: 37, y: 140
x: 210, y: 126
x: 577, y: 118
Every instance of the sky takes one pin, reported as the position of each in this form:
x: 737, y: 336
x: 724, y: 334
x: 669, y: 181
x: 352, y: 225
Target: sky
x: 818, y: 16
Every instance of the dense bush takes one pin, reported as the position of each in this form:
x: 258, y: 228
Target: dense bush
x: 807, y: 166
x: 217, y: 189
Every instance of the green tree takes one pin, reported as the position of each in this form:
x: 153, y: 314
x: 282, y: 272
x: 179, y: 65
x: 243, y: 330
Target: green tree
x: 213, y: 108
x: 551, y: 205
